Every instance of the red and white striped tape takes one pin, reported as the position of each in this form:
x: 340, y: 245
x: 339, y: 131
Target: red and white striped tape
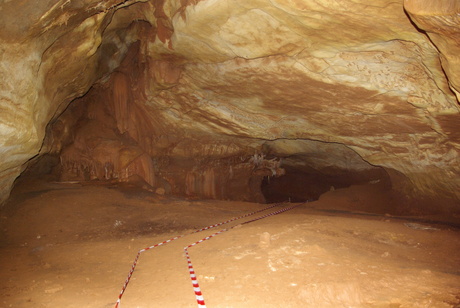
x: 125, y: 285
x: 196, y: 286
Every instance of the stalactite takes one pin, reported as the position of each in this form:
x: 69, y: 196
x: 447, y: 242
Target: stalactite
x: 121, y: 99
x: 209, y: 183
x: 190, y: 183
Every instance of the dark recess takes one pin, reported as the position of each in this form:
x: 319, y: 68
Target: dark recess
x: 301, y: 185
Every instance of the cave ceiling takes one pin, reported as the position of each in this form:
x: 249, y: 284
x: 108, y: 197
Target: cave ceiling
x: 137, y: 84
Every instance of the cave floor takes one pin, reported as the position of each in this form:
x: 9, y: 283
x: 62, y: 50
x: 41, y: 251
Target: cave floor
x: 71, y: 245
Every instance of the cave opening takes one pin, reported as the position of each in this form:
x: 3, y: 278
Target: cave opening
x: 298, y: 186
x: 311, y: 168
x: 307, y: 184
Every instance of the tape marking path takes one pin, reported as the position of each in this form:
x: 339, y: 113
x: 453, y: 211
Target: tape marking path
x: 196, y: 286
x: 133, y: 267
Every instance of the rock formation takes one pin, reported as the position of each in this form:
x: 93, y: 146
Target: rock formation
x: 185, y: 94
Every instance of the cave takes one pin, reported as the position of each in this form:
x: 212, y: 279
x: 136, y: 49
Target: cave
x: 308, y: 185
x: 230, y: 153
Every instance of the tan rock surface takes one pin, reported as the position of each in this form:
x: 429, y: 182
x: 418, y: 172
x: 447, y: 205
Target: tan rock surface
x: 69, y: 245
x: 212, y: 81
x: 50, y: 53
x: 441, y: 21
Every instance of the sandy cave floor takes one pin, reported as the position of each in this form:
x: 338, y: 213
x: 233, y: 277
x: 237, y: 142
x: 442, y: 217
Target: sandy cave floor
x: 71, y: 245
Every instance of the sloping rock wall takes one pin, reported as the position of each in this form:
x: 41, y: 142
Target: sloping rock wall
x: 50, y: 53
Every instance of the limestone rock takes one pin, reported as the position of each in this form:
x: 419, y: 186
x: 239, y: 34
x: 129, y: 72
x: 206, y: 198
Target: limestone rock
x: 440, y: 19
x: 50, y: 53
x: 199, y: 87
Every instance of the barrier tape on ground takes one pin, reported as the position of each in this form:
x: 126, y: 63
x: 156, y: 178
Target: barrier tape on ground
x: 196, y: 286
x: 117, y: 304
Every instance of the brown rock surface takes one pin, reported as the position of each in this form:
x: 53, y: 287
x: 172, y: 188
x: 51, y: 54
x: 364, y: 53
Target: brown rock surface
x: 441, y: 21
x: 79, y: 244
x: 209, y: 84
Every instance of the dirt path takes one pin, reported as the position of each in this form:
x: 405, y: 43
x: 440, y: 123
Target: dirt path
x: 67, y: 245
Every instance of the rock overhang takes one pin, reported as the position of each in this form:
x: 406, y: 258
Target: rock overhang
x: 234, y: 75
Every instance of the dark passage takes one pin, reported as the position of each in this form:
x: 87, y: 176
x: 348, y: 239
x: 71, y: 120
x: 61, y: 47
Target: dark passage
x: 299, y: 185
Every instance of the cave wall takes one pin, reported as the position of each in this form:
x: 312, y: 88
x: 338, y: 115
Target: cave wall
x: 50, y: 53
x: 111, y: 134
x: 211, y: 81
